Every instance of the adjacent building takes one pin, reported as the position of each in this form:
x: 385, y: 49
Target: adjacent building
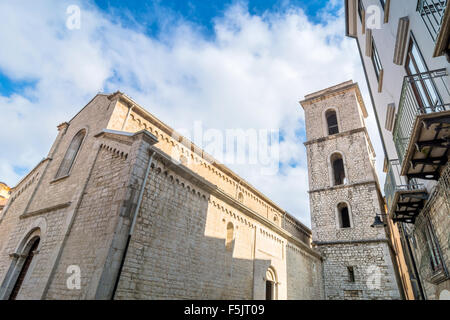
x: 404, y: 49
x: 4, y: 195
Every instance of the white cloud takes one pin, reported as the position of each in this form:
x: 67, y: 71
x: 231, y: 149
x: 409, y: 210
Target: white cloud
x: 250, y: 74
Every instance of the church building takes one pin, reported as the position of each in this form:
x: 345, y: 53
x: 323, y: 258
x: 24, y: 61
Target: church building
x: 109, y: 213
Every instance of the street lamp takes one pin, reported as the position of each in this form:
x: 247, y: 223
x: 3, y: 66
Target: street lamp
x: 378, y: 223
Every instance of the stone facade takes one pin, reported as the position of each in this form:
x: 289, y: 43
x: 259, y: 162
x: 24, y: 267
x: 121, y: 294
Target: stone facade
x: 357, y: 259
x: 430, y: 241
x: 134, y: 223
x: 143, y: 213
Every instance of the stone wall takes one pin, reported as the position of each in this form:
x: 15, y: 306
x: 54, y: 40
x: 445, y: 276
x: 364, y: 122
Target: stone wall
x: 44, y: 206
x: 348, y: 112
x: 363, y: 204
x: 92, y: 231
x: 307, y: 284
x: 353, y: 147
x: 359, y: 246
x: 196, y: 159
x: 178, y: 249
x: 374, y: 277
x: 433, y: 222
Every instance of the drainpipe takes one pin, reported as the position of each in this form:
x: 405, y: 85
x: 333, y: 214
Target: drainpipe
x: 133, y: 223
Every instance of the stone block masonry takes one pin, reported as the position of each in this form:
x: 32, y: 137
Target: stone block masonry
x: 345, y: 197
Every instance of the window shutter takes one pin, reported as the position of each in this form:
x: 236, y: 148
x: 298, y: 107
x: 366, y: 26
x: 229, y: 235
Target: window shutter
x: 400, y: 42
x: 387, y: 8
x: 390, y: 114
x: 369, y: 43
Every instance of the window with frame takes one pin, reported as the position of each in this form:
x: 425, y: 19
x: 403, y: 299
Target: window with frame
x: 424, y: 89
x: 351, y: 274
x: 71, y: 154
x: 435, y: 260
x: 337, y: 165
x: 376, y: 61
x: 332, y: 122
x: 344, y: 216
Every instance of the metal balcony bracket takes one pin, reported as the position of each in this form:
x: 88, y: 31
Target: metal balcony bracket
x: 430, y: 161
x: 411, y: 220
x: 445, y: 119
x: 407, y: 213
x: 437, y: 143
x: 424, y: 175
x: 419, y: 196
x: 412, y: 205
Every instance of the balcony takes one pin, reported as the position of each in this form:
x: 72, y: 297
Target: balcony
x: 422, y: 127
x: 404, y: 199
x: 436, y: 16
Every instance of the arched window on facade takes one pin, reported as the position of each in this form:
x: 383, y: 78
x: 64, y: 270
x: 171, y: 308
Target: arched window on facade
x: 271, y: 284
x: 230, y: 235
x: 30, y: 252
x: 332, y: 122
x: 71, y: 153
x: 240, y: 197
x: 344, y: 216
x: 337, y: 165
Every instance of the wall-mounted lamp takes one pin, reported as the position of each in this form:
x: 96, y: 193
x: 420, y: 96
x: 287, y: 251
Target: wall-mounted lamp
x: 378, y: 223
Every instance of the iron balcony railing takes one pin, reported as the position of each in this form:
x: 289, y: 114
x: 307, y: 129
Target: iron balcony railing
x: 395, y: 183
x: 422, y: 93
x: 432, y: 13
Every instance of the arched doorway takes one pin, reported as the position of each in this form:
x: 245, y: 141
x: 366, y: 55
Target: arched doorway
x: 30, y: 252
x: 271, y: 285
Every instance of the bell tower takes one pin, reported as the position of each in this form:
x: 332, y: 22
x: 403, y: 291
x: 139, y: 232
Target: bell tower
x: 345, y: 197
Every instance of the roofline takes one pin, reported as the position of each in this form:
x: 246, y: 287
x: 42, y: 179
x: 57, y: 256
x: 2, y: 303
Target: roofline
x: 333, y: 90
x: 29, y: 173
x: 222, y: 195
x: 98, y: 94
x: 204, y: 155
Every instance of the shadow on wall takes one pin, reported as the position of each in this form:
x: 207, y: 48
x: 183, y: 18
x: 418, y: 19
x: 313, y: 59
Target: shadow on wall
x: 170, y: 256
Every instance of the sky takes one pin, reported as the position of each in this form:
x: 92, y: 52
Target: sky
x: 224, y: 64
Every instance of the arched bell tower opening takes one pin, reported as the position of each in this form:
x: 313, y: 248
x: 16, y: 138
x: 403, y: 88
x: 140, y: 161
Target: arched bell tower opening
x: 332, y: 122
x: 338, y: 169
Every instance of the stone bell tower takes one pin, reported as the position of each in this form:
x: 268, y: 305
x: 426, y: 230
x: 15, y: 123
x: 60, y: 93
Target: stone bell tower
x: 345, y: 197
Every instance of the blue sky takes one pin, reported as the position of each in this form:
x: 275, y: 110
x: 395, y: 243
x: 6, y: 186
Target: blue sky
x: 151, y: 14
x: 226, y: 65
x: 152, y: 17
